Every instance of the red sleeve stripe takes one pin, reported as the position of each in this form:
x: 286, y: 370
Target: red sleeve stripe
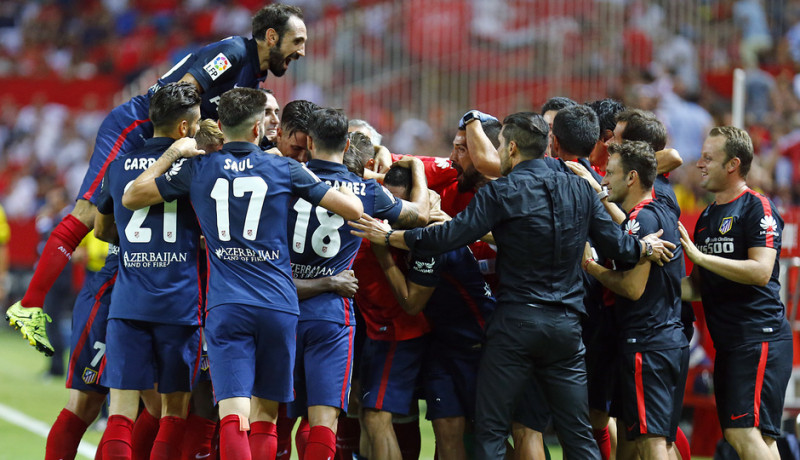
x: 770, y: 243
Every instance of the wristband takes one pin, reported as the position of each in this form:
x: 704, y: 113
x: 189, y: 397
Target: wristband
x: 388, y: 234
x: 586, y: 263
x: 602, y: 194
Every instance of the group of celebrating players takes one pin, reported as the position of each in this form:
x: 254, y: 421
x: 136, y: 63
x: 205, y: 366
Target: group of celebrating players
x: 517, y: 284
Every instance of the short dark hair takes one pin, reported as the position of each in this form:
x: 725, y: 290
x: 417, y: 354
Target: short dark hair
x: 737, y: 145
x: 296, y: 116
x: 557, y: 103
x: 172, y: 102
x: 240, y: 105
x: 637, y: 156
x: 362, y: 149
x: 398, y: 176
x: 275, y: 16
x: 328, y: 128
x: 641, y: 125
x: 529, y: 131
x: 492, y: 130
x: 606, y: 110
x: 577, y: 129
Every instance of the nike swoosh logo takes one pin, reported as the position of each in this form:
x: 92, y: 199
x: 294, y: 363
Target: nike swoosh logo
x: 630, y: 428
x: 202, y: 455
x: 737, y: 417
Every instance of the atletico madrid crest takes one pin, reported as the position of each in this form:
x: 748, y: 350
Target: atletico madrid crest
x: 89, y: 376
x: 726, y: 225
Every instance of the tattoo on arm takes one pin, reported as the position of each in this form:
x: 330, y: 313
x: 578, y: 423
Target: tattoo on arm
x: 408, y: 216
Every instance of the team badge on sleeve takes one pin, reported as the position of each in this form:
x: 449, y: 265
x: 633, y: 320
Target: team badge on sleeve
x: 217, y: 66
x: 632, y: 227
x: 726, y: 225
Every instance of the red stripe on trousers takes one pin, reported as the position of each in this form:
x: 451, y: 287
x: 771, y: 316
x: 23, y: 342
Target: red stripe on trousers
x: 640, y: 395
x: 762, y: 367
x: 387, y: 367
x: 86, y: 329
x: 111, y: 155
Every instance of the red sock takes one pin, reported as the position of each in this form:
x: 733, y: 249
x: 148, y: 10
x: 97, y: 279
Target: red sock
x: 263, y: 440
x: 167, y: 445
x: 197, y: 437
x: 348, y: 436
x: 64, y: 436
x: 301, y: 437
x: 603, y: 439
x: 56, y: 253
x: 98, y: 454
x: 233, y: 443
x: 321, y: 444
x: 285, y: 426
x: 682, y: 444
x: 408, y: 438
x: 117, y: 438
x: 144, y: 434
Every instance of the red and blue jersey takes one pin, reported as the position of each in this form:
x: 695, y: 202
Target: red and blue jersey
x: 653, y: 322
x: 218, y: 67
x: 241, y: 197
x: 321, y: 244
x: 738, y: 313
x: 158, y: 278
x: 462, y: 302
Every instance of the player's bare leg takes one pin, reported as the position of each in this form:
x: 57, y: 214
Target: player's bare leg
x: 85, y: 404
x: 672, y: 452
x: 626, y: 450
x: 383, y: 445
x: 773, y: 447
x: 324, y: 421
x: 125, y: 403
x: 652, y: 447
x: 749, y: 444
x: 449, y: 432
x: 528, y: 443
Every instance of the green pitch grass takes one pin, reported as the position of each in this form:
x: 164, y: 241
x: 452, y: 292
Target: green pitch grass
x: 24, y: 387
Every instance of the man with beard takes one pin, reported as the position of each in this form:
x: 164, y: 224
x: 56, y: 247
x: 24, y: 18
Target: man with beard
x: 279, y: 38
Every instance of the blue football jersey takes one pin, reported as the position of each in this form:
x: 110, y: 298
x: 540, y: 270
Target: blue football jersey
x: 218, y: 67
x: 158, y: 278
x: 739, y: 313
x: 462, y: 303
x: 242, y: 197
x: 321, y: 241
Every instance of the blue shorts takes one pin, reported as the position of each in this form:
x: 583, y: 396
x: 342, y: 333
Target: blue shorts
x: 652, y: 384
x: 740, y: 373
x: 126, y: 128
x: 449, y: 379
x: 251, y: 351
x: 87, y: 358
x: 142, y: 353
x: 323, y: 366
x: 389, y: 371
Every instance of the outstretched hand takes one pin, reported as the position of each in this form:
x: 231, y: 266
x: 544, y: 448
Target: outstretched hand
x: 370, y: 228
x: 689, y: 247
x: 662, y: 249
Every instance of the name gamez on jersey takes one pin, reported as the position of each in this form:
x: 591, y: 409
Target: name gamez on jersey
x: 717, y: 245
x: 358, y: 188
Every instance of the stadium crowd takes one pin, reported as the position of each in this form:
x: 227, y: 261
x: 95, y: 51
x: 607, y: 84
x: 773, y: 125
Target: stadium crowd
x: 545, y: 251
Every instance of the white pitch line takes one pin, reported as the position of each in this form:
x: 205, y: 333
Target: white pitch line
x: 22, y: 420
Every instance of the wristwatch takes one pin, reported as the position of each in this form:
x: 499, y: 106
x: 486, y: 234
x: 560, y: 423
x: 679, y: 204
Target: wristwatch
x: 648, y: 248
x: 468, y: 117
x: 602, y: 194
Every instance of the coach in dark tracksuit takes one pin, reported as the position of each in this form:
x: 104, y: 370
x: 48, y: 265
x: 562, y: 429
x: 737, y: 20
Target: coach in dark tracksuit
x: 540, y: 220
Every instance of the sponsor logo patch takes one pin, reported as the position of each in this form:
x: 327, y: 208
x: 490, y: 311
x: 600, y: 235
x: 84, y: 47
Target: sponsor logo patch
x: 217, y: 66
x: 632, y: 227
